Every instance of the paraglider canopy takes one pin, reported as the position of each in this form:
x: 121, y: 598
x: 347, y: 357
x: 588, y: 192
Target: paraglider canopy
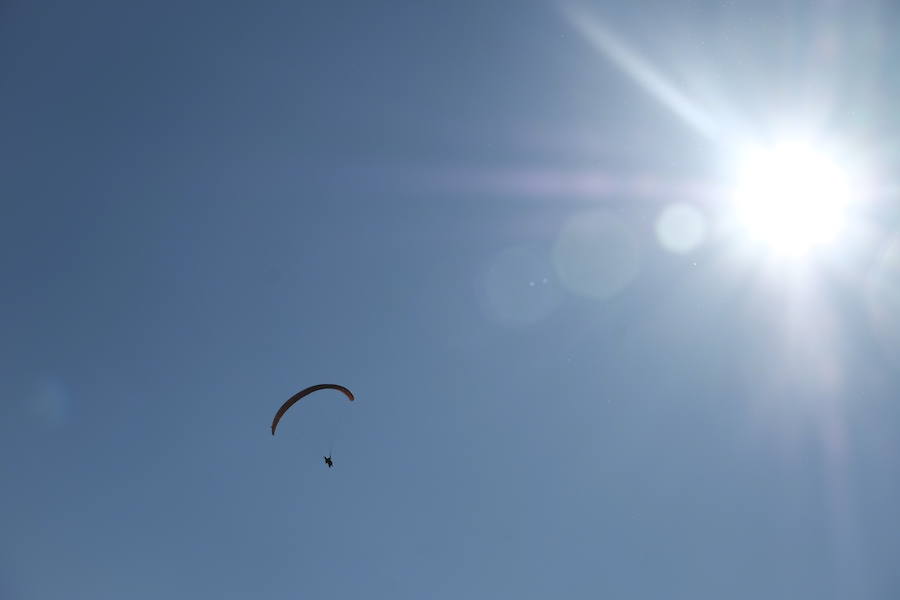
x: 305, y: 392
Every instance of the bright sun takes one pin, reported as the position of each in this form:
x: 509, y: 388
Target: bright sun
x: 792, y: 196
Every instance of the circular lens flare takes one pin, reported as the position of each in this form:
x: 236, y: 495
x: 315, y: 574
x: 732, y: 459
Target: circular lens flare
x: 792, y: 197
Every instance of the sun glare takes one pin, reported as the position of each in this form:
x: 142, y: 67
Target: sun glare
x: 792, y: 197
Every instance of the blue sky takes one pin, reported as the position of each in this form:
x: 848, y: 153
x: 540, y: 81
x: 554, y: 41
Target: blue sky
x: 500, y: 224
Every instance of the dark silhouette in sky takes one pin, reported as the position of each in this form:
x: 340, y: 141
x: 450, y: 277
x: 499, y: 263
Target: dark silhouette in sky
x: 305, y: 392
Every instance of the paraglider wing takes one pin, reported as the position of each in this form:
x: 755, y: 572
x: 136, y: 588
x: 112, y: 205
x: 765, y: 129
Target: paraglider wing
x: 302, y: 393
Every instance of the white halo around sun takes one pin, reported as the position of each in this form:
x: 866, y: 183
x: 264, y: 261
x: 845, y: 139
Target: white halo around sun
x: 792, y: 196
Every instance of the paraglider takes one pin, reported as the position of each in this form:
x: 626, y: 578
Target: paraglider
x: 328, y: 461
x: 303, y: 393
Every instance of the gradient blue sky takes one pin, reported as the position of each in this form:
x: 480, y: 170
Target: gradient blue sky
x: 457, y: 210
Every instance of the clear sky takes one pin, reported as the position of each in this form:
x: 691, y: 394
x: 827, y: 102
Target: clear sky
x: 509, y: 228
